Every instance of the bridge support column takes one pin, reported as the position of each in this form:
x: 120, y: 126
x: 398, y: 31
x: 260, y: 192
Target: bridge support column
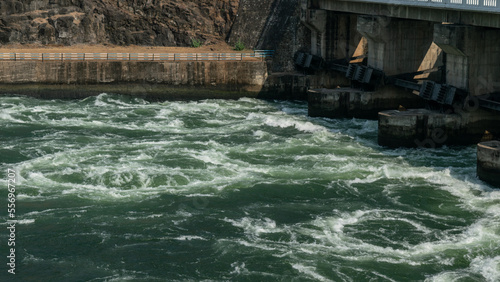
x: 315, y: 20
x: 488, y: 162
x: 395, y: 46
x: 333, y: 34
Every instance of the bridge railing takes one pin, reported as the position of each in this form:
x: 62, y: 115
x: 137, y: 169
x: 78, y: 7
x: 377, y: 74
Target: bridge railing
x: 488, y: 6
x: 256, y: 55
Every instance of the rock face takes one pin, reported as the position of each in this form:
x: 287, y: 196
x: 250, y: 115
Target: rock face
x: 120, y: 22
x: 271, y: 25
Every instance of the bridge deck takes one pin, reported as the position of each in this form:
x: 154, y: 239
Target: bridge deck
x: 485, y: 6
x: 484, y: 13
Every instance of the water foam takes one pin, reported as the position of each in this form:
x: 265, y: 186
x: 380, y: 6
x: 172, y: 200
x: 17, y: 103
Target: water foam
x: 284, y: 122
x: 212, y: 149
x: 488, y: 267
x: 310, y: 271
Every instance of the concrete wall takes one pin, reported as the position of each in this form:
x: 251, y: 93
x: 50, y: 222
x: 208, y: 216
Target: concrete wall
x: 244, y: 74
x: 333, y: 35
x: 473, y: 57
x: 348, y: 102
x: 295, y: 86
x: 396, y: 46
x: 180, y: 80
x: 425, y: 128
x: 341, y: 36
x: 205, y: 78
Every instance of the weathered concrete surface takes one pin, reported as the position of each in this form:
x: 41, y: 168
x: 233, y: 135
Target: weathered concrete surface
x: 296, y: 86
x: 396, y: 46
x: 243, y: 74
x: 434, y: 58
x: 152, y: 78
x: 488, y: 162
x: 148, y: 91
x: 341, y: 38
x: 333, y: 35
x: 472, y: 57
x: 425, y: 128
x: 348, y: 102
x: 316, y: 21
x: 179, y: 80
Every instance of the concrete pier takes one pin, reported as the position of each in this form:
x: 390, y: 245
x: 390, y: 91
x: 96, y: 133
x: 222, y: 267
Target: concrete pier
x: 488, y: 162
x: 395, y: 46
x: 430, y: 129
x: 349, y: 103
x: 472, y: 57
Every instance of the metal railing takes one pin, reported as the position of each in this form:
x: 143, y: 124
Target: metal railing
x: 257, y: 55
x: 488, y: 6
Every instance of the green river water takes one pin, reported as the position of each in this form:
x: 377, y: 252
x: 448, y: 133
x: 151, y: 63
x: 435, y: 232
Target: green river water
x: 113, y: 188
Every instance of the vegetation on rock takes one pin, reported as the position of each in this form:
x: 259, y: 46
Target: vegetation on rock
x: 239, y: 46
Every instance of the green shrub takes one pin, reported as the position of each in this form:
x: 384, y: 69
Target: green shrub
x: 196, y: 43
x: 239, y: 46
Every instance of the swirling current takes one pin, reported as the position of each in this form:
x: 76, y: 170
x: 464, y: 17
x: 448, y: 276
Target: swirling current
x: 115, y: 188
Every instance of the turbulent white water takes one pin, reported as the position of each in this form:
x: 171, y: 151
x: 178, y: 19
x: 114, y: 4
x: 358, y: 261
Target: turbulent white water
x: 238, y: 190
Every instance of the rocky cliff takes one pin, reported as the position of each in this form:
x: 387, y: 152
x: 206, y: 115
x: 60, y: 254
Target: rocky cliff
x: 120, y: 22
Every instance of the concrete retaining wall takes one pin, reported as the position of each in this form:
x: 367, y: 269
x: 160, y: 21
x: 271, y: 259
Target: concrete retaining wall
x: 161, y: 80
x: 168, y: 80
x: 243, y: 74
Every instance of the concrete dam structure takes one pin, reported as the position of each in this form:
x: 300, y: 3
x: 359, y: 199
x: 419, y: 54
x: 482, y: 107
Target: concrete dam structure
x: 439, y: 59
x: 445, y: 52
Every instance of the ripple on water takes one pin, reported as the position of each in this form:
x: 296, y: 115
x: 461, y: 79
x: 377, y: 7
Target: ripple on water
x: 244, y: 189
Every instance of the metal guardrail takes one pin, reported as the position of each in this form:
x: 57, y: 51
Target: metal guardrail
x: 258, y: 54
x: 488, y: 6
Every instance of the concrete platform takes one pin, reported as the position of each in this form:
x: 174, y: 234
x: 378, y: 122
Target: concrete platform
x: 349, y: 102
x: 488, y: 162
x: 430, y: 129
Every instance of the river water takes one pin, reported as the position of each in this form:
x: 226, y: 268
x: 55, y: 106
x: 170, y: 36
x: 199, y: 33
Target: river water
x: 113, y: 188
